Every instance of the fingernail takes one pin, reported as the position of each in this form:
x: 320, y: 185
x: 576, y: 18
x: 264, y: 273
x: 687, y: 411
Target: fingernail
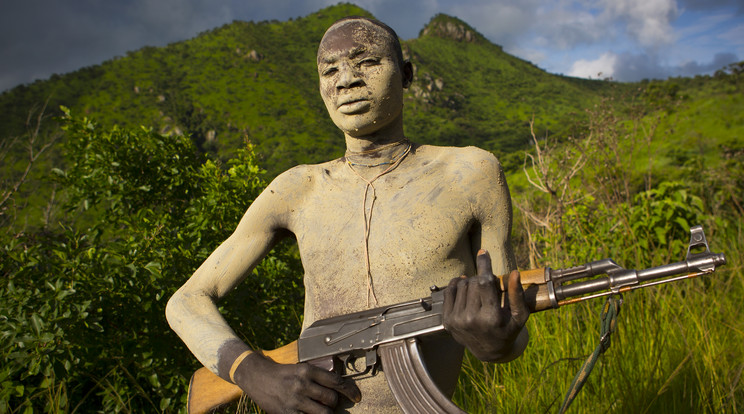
x: 481, y: 252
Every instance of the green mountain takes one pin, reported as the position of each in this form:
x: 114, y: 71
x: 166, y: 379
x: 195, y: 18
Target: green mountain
x: 258, y: 82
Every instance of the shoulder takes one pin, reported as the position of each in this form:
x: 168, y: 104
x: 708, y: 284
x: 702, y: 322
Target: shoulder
x: 304, y: 177
x: 469, y: 163
x: 293, y: 186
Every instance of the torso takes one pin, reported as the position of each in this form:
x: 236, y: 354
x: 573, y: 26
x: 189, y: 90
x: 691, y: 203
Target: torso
x: 419, y: 235
x: 419, y: 232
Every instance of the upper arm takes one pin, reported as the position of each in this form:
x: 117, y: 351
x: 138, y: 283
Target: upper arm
x: 492, y: 210
x: 261, y: 227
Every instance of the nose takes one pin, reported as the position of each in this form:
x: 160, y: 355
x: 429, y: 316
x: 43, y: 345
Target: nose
x: 348, y: 77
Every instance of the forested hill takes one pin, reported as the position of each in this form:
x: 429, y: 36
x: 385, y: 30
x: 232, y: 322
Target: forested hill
x: 258, y: 82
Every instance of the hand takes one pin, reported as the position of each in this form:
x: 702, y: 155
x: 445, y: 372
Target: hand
x: 476, y: 318
x: 292, y: 388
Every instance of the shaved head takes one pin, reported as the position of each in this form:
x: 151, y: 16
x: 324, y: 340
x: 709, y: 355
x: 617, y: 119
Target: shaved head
x: 367, y: 30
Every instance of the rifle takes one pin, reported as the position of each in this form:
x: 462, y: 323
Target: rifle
x: 389, y: 335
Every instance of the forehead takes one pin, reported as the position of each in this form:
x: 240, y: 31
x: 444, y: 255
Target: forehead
x: 352, y: 36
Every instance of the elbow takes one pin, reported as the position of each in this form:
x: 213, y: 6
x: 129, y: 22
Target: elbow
x: 172, y: 309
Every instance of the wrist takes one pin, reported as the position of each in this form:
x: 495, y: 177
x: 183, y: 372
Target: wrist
x: 229, y: 357
x: 505, y: 353
x: 248, y: 373
x: 517, y: 347
x: 237, y: 363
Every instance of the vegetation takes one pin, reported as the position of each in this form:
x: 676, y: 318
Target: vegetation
x: 623, y: 191
x: 122, y: 214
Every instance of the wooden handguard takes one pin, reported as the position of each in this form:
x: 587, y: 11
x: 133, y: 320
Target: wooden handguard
x: 207, y: 391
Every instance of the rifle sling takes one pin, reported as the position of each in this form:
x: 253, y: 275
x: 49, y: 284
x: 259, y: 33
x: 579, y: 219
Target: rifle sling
x: 608, y: 323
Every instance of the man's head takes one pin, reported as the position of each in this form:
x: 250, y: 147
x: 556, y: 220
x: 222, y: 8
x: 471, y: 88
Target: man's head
x: 362, y: 75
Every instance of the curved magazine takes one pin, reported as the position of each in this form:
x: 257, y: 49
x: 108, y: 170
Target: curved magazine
x: 410, y: 382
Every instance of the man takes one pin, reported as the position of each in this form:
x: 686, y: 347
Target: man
x: 376, y: 227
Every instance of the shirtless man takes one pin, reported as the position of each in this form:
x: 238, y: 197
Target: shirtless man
x: 376, y: 227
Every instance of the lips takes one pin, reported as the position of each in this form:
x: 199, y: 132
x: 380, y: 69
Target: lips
x: 353, y: 105
x: 349, y: 101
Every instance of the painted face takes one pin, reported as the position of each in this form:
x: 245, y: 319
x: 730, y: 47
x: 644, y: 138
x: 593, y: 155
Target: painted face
x: 360, y: 79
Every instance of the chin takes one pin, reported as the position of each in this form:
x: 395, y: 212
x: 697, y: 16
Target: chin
x: 358, y: 128
x: 362, y: 126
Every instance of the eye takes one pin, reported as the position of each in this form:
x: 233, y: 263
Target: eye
x: 329, y: 71
x: 369, y: 62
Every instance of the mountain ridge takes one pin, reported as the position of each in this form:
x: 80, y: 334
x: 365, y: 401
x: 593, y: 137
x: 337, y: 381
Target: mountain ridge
x: 257, y: 82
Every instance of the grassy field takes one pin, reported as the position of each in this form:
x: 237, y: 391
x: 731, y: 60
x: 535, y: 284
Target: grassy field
x: 677, y: 349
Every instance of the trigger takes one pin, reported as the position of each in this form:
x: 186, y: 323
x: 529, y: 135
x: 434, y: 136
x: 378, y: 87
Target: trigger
x: 349, y: 362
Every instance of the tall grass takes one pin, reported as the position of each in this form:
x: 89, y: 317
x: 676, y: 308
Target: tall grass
x: 677, y: 349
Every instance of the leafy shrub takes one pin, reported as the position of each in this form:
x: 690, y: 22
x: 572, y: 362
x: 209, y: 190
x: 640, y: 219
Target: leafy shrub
x: 82, y: 304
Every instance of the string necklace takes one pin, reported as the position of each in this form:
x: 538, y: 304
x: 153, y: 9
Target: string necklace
x: 394, y: 162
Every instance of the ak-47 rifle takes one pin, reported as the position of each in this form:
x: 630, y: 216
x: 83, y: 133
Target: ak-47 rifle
x: 389, y: 335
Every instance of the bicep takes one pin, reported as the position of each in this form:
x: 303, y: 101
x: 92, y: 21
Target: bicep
x: 258, y: 231
x: 492, y: 211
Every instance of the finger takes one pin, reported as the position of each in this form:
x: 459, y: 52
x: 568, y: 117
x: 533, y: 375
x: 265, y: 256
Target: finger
x: 349, y: 389
x: 319, y: 394
x: 461, y: 298
x: 489, y: 292
x: 334, y: 381
x: 519, y: 310
x: 477, y: 287
x: 483, y: 263
x: 449, y: 298
x: 312, y: 406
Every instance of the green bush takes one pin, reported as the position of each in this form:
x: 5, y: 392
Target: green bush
x: 82, y: 304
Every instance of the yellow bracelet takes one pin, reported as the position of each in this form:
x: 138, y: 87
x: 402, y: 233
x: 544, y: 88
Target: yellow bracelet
x: 237, y: 362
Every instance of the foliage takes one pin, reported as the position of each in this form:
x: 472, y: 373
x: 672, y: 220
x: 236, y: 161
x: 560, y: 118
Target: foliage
x: 156, y: 210
x: 677, y: 346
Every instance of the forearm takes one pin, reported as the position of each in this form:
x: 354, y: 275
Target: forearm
x: 197, y: 321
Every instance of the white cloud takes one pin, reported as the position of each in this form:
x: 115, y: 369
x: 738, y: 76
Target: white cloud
x: 602, y: 67
x: 565, y: 27
x: 648, y: 21
x: 655, y: 35
x: 632, y: 67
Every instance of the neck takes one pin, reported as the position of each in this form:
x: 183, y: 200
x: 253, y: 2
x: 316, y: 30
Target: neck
x: 379, y: 139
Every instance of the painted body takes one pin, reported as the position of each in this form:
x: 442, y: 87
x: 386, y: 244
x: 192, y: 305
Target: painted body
x: 430, y: 210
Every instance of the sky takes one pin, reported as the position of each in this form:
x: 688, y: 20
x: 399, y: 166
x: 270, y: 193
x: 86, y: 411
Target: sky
x: 626, y: 40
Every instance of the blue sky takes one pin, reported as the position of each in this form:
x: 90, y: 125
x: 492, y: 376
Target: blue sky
x: 627, y: 40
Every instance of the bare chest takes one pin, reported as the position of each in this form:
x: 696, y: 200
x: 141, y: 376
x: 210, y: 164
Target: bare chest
x: 414, y: 232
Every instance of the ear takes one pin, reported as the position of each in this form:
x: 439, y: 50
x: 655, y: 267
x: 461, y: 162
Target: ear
x: 407, y: 74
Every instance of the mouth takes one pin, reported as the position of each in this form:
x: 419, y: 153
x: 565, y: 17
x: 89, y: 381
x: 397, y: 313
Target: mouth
x: 351, y: 106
